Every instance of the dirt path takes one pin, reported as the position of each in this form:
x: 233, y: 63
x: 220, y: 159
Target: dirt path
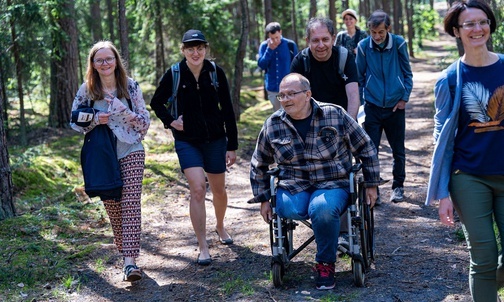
x: 417, y: 258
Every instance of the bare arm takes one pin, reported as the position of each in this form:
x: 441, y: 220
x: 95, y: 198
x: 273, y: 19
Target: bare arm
x: 352, y: 91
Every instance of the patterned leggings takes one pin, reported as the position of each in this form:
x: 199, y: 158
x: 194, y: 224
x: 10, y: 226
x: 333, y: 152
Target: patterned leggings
x: 125, y: 215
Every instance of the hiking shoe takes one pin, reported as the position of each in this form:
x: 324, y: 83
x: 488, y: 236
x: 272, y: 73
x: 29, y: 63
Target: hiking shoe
x: 397, y: 195
x: 343, y: 240
x: 325, y: 276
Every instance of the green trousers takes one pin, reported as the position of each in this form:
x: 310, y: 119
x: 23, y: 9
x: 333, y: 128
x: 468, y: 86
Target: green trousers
x: 479, y: 200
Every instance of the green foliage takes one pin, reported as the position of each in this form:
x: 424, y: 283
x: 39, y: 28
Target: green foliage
x: 498, y: 35
x: 424, y: 20
x: 45, y: 172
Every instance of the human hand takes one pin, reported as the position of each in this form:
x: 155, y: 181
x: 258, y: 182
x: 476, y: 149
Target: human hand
x: 446, y: 211
x: 371, y: 196
x: 178, y: 124
x: 400, y: 105
x: 103, y: 117
x: 230, y: 158
x: 272, y: 44
x: 266, y: 211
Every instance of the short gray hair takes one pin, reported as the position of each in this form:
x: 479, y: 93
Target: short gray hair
x: 313, y: 22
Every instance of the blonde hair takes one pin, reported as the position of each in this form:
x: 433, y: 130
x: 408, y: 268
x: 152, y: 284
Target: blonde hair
x: 93, y: 82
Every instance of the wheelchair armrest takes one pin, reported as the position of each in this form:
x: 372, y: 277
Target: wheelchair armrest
x: 274, y: 172
x: 263, y: 197
x: 356, y: 167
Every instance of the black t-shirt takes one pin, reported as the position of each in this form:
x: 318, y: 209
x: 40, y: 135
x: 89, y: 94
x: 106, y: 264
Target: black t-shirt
x: 326, y: 82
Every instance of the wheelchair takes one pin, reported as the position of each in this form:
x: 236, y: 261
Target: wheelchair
x: 361, y: 248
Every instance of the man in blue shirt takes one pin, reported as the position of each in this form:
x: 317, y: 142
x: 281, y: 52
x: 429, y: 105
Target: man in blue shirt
x: 275, y: 56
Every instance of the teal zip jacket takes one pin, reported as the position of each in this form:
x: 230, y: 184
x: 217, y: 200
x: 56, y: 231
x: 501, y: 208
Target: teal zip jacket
x: 385, y: 75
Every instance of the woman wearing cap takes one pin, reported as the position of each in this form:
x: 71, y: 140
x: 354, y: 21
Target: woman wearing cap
x: 120, y: 106
x: 350, y: 38
x: 204, y: 130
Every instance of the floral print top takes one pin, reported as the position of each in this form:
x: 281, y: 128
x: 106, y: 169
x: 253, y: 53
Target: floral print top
x: 129, y: 126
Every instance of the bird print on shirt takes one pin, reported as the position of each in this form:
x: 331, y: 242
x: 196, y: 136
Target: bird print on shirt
x: 487, y: 114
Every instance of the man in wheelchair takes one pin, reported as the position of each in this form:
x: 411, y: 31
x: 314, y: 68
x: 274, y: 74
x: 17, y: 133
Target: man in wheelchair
x: 310, y: 144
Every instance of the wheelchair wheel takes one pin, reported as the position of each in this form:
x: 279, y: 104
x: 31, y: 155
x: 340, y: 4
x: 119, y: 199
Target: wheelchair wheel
x: 358, y: 273
x: 277, y: 273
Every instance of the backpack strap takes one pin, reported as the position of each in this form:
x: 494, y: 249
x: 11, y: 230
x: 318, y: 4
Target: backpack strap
x: 306, y: 61
x: 357, y: 36
x: 290, y: 45
x: 343, y: 55
x: 213, y: 76
x: 172, y: 101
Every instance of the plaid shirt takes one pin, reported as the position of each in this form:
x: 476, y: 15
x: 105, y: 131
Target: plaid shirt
x: 321, y: 161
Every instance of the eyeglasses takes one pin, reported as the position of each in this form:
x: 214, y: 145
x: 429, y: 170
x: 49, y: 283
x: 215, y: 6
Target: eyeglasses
x: 100, y: 61
x: 288, y: 95
x: 472, y: 24
x: 192, y: 50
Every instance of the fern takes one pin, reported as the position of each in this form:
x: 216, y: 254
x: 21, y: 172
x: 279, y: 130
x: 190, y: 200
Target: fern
x: 475, y: 98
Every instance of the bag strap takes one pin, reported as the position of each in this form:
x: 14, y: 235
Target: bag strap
x: 290, y: 45
x: 175, y: 71
x: 213, y: 76
x: 343, y: 54
x: 306, y: 60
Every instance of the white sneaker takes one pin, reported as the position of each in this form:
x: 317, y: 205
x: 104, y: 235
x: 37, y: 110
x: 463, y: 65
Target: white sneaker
x: 397, y: 195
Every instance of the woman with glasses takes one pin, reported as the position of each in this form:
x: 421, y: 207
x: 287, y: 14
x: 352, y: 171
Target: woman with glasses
x: 204, y: 128
x: 119, y: 105
x: 467, y: 172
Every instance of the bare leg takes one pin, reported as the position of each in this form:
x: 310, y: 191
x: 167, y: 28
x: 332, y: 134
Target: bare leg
x: 196, y: 178
x: 218, y: 186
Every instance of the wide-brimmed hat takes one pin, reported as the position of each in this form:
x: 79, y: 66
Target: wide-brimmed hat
x: 350, y: 12
x: 193, y: 35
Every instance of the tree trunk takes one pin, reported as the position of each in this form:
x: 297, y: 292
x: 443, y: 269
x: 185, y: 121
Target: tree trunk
x: 332, y: 11
x: 294, y: 22
x: 240, y: 55
x: 110, y: 20
x: 5, y: 102
x: 19, y: 78
x: 411, y: 32
x: 386, y: 6
x: 7, y: 208
x: 268, y: 12
x: 158, y: 25
x: 313, y: 8
x: 397, y: 17
x: 123, y: 33
x: 96, y: 25
x: 64, y: 73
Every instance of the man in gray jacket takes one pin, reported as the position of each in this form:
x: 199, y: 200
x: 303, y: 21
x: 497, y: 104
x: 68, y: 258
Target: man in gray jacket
x: 385, y: 82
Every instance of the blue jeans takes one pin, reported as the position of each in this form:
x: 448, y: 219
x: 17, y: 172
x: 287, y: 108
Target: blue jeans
x: 479, y: 200
x: 323, y: 208
x: 380, y: 120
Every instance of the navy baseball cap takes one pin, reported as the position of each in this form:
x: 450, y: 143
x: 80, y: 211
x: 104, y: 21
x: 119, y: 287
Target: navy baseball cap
x: 193, y: 35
